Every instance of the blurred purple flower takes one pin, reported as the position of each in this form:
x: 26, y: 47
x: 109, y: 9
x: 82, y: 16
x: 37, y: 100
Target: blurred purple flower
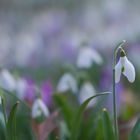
x: 30, y: 90
x: 106, y: 79
x: 119, y: 98
x: 46, y: 92
x: 68, y: 50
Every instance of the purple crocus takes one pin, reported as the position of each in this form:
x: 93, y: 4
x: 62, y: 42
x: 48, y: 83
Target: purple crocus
x: 46, y: 92
x: 106, y: 79
x: 105, y: 85
x: 30, y: 90
x: 119, y: 98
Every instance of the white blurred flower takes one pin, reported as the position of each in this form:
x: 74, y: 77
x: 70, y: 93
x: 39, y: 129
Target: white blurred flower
x: 87, y: 90
x: 67, y: 82
x: 7, y: 81
x: 87, y: 56
x: 0, y: 100
x: 21, y: 87
x: 39, y: 109
x: 126, y: 67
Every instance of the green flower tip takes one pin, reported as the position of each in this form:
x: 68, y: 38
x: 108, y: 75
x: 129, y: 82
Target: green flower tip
x: 17, y: 102
x: 122, y: 53
x: 104, y: 110
x: 124, y: 41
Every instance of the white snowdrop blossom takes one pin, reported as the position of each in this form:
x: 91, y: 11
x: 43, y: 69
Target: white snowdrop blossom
x: 125, y: 67
x: 7, y: 81
x: 87, y: 90
x: 39, y: 109
x: 67, y: 82
x: 87, y: 56
x: 21, y: 87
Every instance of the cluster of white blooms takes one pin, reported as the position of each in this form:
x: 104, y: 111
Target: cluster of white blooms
x: 85, y: 59
x: 68, y: 82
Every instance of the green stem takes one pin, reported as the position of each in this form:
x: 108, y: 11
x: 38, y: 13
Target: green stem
x: 5, y: 117
x: 4, y: 112
x: 114, y: 91
x: 115, y: 107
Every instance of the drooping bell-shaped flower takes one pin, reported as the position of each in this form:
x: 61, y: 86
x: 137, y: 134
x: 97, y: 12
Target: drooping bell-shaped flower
x: 67, y: 82
x: 7, y: 81
x: 125, y: 67
x: 87, y: 90
x: 39, y: 110
x: 87, y: 56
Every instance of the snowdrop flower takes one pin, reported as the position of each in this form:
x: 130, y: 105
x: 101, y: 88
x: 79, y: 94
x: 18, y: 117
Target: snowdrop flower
x: 87, y: 56
x: 21, y: 86
x: 7, y: 81
x: 86, y: 91
x: 67, y: 82
x: 125, y: 67
x: 39, y: 110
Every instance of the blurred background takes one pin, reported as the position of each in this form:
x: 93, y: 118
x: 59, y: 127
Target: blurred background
x: 40, y: 41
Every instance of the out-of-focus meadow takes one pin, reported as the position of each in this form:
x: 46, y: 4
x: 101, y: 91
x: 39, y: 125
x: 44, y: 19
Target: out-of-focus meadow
x: 55, y: 54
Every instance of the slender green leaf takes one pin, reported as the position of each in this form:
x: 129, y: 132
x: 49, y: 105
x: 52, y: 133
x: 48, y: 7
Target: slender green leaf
x: 135, y: 134
x: 63, y: 104
x: 11, y: 123
x: 2, y: 127
x: 107, y: 126
x: 77, y: 119
x: 15, y: 97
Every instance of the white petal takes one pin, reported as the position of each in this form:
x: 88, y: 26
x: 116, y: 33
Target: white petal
x: 21, y: 86
x: 129, y: 70
x: 86, y: 91
x: 96, y: 57
x: 84, y: 59
x: 39, y: 108
x: 118, y: 69
x: 87, y: 56
x: 7, y: 81
x: 67, y: 82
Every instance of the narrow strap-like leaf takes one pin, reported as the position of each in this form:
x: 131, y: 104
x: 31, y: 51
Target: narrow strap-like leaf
x: 11, y: 124
x: 77, y: 119
x: 63, y: 104
x: 107, y: 126
x: 135, y: 131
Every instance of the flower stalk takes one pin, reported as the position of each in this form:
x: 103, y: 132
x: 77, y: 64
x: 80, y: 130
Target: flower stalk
x: 114, y: 90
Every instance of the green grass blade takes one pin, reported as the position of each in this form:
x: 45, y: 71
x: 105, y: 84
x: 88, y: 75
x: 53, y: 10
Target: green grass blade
x: 11, y: 123
x: 77, y: 119
x: 107, y: 126
x: 135, y: 131
x: 60, y: 100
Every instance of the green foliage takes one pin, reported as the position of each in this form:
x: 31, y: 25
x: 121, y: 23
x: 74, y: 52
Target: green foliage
x: 11, y: 123
x: 73, y: 119
x: 65, y: 107
x: 135, y: 134
x: 77, y: 119
x: 107, y: 126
